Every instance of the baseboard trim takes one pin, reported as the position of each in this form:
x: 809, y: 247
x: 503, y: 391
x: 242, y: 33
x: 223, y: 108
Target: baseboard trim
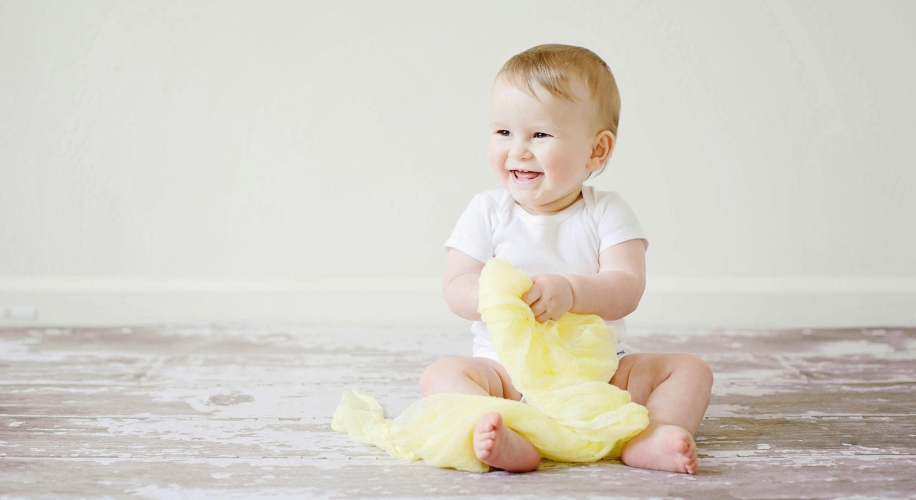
x: 668, y: 302
x: 657, y: 284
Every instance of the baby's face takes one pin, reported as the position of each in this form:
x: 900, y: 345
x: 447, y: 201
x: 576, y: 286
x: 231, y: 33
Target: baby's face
x: 540, y: 149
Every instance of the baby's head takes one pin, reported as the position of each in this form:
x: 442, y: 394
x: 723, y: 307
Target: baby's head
x: 554, y: 112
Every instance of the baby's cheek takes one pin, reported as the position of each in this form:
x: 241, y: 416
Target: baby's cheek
x: 497, y: 157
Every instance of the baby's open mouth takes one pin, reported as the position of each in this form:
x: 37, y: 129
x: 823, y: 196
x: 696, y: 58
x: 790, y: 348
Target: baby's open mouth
x: 526, y: 175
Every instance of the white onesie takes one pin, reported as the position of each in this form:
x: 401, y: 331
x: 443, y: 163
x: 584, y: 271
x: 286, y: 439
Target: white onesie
x: 569, y: 242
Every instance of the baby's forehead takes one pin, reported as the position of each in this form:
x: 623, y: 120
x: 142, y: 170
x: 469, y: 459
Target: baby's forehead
x: 569, y: 88
x: 561, y: 109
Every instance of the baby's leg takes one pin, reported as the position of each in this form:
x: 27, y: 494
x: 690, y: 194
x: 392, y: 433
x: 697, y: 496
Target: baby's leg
x: 480, y: 376
x: 495, y: 444
x: 676, y: 389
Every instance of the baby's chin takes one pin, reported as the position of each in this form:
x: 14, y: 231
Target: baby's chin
x: 522, y: 198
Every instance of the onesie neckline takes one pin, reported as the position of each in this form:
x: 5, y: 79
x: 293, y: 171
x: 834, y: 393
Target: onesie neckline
x: 549, y: 219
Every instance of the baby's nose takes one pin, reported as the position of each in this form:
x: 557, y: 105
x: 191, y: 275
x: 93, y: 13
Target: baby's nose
x: 519, y: 151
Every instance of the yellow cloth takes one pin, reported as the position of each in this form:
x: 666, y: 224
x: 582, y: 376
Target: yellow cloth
x: 571, y: 414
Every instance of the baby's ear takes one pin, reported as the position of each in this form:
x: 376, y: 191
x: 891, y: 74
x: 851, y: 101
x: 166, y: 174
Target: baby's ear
x: 601, y: 150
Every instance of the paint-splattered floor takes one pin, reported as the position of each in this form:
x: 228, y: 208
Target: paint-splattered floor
x: 244, y: 411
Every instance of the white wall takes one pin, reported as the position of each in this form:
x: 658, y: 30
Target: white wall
x: 185, y: 161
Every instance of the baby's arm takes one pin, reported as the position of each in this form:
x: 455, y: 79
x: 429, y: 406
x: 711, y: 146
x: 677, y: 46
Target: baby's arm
x: 460, y: 284
x: 621, y: 280
x: 612, y: 293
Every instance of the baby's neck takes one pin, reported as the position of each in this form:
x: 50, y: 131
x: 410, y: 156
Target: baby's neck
x: 554, y: 207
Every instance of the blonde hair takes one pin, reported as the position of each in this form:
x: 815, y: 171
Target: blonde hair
x: 555, y: 67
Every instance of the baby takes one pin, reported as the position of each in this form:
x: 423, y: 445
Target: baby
x: 554, y: 112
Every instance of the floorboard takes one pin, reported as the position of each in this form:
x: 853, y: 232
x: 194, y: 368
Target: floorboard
x: 240, y: 411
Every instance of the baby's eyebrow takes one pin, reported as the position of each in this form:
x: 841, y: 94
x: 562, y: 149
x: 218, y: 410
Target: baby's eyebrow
x: 539, y: 126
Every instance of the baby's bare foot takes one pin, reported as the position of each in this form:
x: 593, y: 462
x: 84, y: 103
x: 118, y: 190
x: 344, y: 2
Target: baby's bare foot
x: 662, y: 447
x: 498, y: 446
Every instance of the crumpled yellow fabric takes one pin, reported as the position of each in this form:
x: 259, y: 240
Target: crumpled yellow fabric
x: 571, y: 414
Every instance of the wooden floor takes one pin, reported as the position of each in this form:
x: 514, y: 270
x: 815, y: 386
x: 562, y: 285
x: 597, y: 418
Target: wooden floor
x: 237, y: 411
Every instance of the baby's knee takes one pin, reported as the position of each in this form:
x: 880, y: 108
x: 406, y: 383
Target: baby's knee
x: 698, y: 369
x: 438, y: 371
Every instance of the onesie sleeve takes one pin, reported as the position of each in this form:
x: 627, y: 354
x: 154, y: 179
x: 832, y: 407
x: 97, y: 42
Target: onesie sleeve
x: 616, y: 221
x: 473, y: 234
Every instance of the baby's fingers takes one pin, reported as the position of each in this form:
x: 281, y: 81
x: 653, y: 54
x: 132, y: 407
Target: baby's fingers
x: 544, y: 317
x: 540, y: 311
x: 532, y: 295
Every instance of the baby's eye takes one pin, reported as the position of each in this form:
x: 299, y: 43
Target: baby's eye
x: 504, y: 133
x: 540, y: 135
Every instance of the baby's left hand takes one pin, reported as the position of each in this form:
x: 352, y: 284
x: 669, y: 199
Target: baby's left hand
x: 550, y: 297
